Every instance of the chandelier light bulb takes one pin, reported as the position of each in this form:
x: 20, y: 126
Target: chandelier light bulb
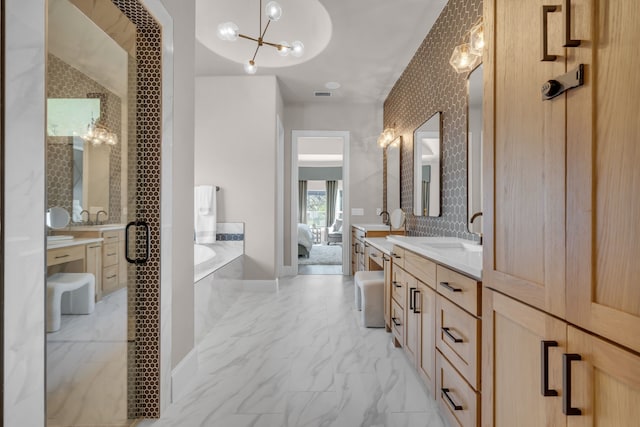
x: 297, y: 49
x: 284, y: 49
x: 228, y: 31
x: 273, y: 11
x: 250, y: 67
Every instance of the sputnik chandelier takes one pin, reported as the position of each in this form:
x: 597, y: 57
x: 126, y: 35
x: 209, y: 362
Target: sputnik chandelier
x: 230, y: 32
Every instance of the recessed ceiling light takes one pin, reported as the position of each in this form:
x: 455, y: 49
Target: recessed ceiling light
x: 332, y: 85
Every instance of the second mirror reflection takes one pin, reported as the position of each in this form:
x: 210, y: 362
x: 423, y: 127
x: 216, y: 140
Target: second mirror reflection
x: 427, y: 143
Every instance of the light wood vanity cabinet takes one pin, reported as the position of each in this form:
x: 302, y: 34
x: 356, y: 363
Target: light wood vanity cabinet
x: 112, y: 273
x: 94, y: 265
x: 441, y: 331
x: 359, y: 255
x: 561, y: 199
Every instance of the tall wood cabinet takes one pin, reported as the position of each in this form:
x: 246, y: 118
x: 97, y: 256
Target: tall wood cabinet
x: 561, y: 196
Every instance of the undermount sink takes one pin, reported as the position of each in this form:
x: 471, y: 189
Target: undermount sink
x: 453, y: 246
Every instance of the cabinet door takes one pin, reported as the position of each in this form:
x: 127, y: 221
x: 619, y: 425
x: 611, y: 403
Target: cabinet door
x: 605, y: 383
x: 512, y: 377
x: 426, y: 336
x: 412, y: 319
x: 387, y: 292
x: 524, y: 157
x: 94, y: 265
x: 603, y: 174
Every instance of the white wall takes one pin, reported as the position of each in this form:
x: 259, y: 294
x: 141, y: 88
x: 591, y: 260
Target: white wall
x: 364, y: 122
x: 182, y: 324
x: 235, y: 148
x: 24, y: 246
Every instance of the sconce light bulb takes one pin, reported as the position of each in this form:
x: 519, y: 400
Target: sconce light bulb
x: 476, y: 39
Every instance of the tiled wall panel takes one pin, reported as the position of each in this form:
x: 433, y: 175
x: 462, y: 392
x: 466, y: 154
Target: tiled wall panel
x: 429, y: 84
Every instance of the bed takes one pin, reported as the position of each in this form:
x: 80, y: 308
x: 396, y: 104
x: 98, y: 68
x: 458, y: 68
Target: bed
x: 305, y: 240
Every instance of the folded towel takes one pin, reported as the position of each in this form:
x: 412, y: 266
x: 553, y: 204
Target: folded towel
x: 205, y: 213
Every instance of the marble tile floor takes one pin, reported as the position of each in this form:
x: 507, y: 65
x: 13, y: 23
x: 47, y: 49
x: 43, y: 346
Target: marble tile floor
x: 87, y: 367
x: 299, y: 357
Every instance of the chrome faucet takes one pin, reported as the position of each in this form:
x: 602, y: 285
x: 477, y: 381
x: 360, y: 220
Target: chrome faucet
x: 98, y: 216
x: 473, y: 217
x: 88, y: 216
x: 385, y: 218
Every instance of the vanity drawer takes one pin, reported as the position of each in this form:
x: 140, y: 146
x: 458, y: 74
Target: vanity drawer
x: 375, y: 256
x: 62, y: 255
x: 110, y: 279
x: 358, y: 233
x: 459, y: 403
x: 400, y: 283
x: 111, y: 236
x: 398, y: 256
x: 420, y: 267
x: 110, y: 254
x: 397, y: 321
x: 457, y: 337
x: 460, y: 289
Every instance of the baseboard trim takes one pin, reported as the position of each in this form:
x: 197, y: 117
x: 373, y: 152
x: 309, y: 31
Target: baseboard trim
x: 183, y: 374
x: 288, y: 271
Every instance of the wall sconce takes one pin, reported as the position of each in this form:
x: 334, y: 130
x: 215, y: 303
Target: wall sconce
x: 468, y: 55
x: 386, y: 137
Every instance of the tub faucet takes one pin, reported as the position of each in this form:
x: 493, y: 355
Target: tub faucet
x: 473, y: 217
x: 98, y: 216
x: 385, y: 218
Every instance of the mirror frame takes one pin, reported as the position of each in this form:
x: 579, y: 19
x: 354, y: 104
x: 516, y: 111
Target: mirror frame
x: 416, y: 210
x: 475, y: 228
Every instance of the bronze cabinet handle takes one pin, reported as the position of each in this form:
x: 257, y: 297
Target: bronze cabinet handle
x: 545, y: 34
x: 568, y: 41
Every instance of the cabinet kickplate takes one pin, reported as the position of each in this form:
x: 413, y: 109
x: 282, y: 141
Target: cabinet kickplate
x: 563, y: 83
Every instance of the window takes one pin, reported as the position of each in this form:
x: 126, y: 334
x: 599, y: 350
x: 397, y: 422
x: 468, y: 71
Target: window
x: 316, y: 207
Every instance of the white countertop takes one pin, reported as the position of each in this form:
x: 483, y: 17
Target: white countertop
x: 371, y: 227
x: 380, y: 243
x: 103, y: 227
x: 55, y: 244
x: 468, y: 262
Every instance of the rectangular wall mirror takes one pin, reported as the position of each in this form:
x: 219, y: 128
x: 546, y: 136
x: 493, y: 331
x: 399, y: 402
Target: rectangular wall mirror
x: 427, y: 143
x: 474, y: 150
x: 393, y: 174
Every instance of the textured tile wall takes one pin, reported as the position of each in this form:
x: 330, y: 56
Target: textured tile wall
x: 64, y: 81
x: 429, y: 84
x: 143, y: 193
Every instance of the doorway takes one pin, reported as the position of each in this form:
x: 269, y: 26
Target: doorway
x: 319, y: 197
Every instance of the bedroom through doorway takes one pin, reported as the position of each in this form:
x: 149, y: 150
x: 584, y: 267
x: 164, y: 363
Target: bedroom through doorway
x: 320, y: 205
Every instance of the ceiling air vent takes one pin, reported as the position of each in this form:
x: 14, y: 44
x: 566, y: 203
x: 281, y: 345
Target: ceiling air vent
x: 321, y: 93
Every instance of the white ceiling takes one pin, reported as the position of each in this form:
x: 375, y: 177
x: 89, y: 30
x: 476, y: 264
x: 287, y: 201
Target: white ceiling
x: 371, y: 44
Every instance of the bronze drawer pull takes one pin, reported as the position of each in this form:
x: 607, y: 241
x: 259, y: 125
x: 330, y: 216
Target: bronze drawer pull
x: 112, y: 277
x: 545, y: 37
x: 544, y: 367
x: 447, y: 286
x: 62, y: 256
x: 454, y: 405
x: 567, y: 409
x: 452, y: 337
x: 396, y: 321
x: 396, y: 284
